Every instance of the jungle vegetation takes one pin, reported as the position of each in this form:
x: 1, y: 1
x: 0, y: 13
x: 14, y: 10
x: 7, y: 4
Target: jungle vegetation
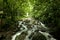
x: 47, y: 11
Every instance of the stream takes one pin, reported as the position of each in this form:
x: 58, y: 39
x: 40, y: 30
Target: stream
x: 32, y: 30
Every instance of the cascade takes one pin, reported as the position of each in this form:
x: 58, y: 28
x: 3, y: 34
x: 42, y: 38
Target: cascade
x: 29, y: 30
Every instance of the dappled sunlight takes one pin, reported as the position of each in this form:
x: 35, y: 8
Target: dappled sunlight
x: 27, y: 14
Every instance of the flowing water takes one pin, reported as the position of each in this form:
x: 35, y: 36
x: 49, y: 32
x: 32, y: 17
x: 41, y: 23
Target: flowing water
x: 32, y: 30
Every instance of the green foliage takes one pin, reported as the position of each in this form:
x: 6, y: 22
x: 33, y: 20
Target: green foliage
x: 1, y: 5
x: 47, y: 11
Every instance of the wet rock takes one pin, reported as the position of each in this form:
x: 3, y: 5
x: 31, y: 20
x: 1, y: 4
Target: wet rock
x: 22, y: 36
x: 29, y: 30
x: 38, y: 36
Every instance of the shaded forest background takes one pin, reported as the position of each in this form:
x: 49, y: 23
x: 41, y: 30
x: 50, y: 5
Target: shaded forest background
x: 47, y: 11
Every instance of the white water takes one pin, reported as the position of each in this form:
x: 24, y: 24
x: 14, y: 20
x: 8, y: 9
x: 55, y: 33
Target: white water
x: 46, y: 35
x: 32, y: 28
x: 18, y: 33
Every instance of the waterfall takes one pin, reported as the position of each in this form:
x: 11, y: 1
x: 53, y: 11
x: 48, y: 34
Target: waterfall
x: 32, y: 28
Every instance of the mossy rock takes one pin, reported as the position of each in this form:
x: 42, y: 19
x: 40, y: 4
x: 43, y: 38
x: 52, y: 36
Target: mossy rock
x: 22, y: 36
x: 39, y: 36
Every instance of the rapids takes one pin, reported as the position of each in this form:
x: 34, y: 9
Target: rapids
x: 32, y: 30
